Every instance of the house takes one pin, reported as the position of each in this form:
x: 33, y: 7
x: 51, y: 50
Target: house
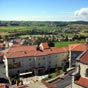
x: 74, y: 51
x: 3, y: 78
x: 86, y: 40
x: 2, y: 85
x: 21, y: 58
x: 80, y: 77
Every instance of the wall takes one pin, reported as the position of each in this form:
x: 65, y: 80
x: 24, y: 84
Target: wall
x: 25, y: 64
x: 2, y: 71
x: 83, y: 68
x: 74, y: 55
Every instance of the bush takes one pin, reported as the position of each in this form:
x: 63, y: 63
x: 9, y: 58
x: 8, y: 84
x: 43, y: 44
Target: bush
x: 14, y: 79
x: 49, y: 76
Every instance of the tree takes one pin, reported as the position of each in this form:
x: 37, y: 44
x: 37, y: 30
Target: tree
x: 64, y: 65
x: 51, y: 44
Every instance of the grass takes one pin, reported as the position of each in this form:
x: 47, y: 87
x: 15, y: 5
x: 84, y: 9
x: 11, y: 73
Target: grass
x: 23, y: 28
x: 53, y: 75
x: 66, y: 43
x: 14, y: 28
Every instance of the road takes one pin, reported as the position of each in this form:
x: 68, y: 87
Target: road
x: 63, y: 82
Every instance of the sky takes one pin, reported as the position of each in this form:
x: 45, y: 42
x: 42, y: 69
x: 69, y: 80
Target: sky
x: 44, y: 10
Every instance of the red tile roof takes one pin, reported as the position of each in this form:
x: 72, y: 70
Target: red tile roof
x: 2, y: 85
x: 84, y: 58
x: 23, y: 51
x: 17, y: 47
x: 78, y: 47
x: 1, y: 53
x: 82, y: 82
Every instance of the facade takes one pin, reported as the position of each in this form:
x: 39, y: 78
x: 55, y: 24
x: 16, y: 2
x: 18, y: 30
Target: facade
x: 80, y: 77
x: 3, y: 78
x: 74, y: 51
x: 20, y: 58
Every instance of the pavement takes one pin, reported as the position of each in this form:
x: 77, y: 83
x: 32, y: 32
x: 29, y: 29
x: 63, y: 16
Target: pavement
x: 31, y: 80
x: 61, y: 81
x: 65, y: 82
x: 69, y: 86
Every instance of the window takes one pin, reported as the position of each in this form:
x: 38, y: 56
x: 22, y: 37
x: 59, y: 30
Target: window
x: 49, y: 66
x: 29, y: 59
x: 38, y: 64
x: 18, y: 71
x: 14, y: 65
x: 39, y: 59
x: 56, y: 65
x: 74, y: 55
x: 29, y: 64
x: 86, y: 73
x: 13, y: 60
x: 49, y: 62
x: 49, y: 56
x: 43, y: 58
x: 56, y: 55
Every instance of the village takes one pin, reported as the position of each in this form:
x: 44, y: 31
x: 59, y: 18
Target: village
x: 19, y: 59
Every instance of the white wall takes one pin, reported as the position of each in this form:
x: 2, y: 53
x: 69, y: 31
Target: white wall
x: 83, y: 68
x: 2, y: 71
x: 27, y: 63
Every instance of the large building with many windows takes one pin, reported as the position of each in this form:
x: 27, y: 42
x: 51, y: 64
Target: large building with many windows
x: 21, y: 58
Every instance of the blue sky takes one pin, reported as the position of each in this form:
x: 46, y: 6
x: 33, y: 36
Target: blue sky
x: 44, y: 10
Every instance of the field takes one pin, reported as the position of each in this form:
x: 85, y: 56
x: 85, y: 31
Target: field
x: 23, y: 28
x: 14, y: 28
x: 66, y: 43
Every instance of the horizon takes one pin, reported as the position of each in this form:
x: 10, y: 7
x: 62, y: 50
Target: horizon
x: 45, y: 10
x: 42, y: 21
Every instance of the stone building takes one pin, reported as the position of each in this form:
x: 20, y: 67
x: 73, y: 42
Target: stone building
x: 74, y: 51
x: 80, y: 77
x: 21, y: 58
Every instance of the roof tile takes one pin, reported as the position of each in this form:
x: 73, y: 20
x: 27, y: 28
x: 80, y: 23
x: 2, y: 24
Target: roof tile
x: 82, y: 82
x: 78, y: 47
x: 84, y: 58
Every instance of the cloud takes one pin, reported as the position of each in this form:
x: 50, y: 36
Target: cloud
x: 81, y: 14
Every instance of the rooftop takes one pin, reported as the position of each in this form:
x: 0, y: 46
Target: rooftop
x: 84, y: 58
x: 82, y: 82
x: 78, y: 47
x: 23, y: 51
x: 3, y: 86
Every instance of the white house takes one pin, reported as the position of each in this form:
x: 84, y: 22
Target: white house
x: 20, y: 58
x: 3, y: 77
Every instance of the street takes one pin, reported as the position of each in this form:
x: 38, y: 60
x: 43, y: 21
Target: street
x: 63, y: 82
